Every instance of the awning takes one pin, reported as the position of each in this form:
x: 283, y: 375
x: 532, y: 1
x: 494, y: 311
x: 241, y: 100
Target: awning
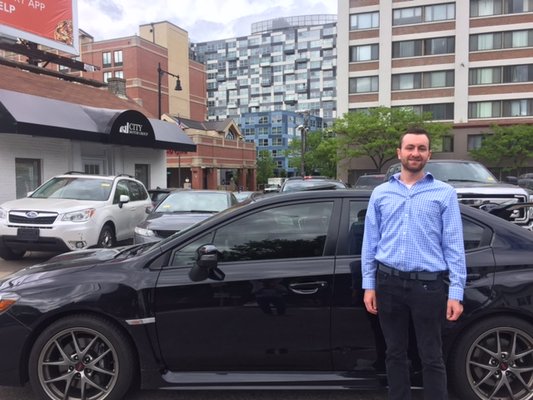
x: 27, y: 114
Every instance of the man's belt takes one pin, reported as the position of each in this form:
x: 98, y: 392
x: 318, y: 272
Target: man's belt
x: 415, y: 275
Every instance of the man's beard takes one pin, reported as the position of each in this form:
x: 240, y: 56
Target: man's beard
x: 408, y: 167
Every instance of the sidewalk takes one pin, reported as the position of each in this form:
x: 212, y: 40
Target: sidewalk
x: 31, y: 258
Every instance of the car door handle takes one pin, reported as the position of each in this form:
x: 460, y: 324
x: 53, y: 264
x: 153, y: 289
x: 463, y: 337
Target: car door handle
x: 307, y: 287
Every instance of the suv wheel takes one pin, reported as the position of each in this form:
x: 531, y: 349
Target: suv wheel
x: 107, y: 237
x: 8, y: 254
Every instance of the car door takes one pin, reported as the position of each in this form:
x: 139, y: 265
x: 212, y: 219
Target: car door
x: 139, y: 201
x: 272, y: 309
x: 124, y: 213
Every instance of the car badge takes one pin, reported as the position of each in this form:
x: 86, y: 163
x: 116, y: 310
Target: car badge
x: 32, y: 214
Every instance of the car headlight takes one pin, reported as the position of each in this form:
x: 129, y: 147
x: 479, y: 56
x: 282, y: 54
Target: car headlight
x: 144, y: 232
x: 79, y: 216
x: 3, y: 214
x: 7, y: 300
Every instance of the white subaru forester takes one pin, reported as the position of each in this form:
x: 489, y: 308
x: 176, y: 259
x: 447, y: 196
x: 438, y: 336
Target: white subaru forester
x: 73, y: 211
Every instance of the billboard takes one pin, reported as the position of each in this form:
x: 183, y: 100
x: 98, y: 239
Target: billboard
x: 52, y: 23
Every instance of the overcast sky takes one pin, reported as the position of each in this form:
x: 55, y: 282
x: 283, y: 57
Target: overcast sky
x: 204, y: 20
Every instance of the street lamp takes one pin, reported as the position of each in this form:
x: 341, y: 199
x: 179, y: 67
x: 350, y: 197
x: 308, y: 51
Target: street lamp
x: 303, y: 132
x: 160, y: 73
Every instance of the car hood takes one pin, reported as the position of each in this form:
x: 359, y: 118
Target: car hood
x: 60, y: 265
x: 172, y: 222
x: 486, y: 188
x: 50, y: 204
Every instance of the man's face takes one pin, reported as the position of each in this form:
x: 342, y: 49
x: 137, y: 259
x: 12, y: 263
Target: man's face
x: 414, y: 152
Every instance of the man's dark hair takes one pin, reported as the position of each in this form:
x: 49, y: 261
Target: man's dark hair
x: 415, y: 131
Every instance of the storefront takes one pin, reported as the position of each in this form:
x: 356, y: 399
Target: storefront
x: 42, y: 137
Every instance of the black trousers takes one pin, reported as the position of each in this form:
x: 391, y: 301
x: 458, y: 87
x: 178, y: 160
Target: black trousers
x: 398, y: 300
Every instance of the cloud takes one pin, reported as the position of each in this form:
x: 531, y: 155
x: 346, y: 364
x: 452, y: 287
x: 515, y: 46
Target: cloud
x: 204, y: 20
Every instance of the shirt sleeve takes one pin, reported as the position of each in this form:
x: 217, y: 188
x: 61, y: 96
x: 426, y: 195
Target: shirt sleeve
x: 370, y: 243
x: 453, y: 247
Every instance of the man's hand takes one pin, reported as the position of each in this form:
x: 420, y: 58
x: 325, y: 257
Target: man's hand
x: 370, y: 301
x: 454, y: 309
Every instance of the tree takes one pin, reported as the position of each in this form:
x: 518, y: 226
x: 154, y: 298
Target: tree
x: 507, y: 145
x: 376, y: 133
x: 265, y: 167
x: 320, y: 153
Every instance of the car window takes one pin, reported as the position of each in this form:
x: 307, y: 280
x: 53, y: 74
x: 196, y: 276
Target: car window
x: 74, y: 188
x: 292, y: 231
x: 472, y: 234
x: 122, y: 188
x: 137, y: 192
x: 185, y: 256
x: 356, y: 226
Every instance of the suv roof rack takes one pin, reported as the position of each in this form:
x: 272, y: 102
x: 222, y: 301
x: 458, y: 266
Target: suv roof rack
x: 127, y: 175
x: 75, y: 173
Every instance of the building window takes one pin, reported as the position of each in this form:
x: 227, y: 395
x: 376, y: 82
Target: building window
x: 364, y: 53
x: 363, y: 84
x: 262, y: 142
x: 447, y: 144
x: 107, y: 75
x: 474, y: 142
x: 499, y: 40
x: 440, y: 111
x: 484, y: 109
x: 106, y: 60
x: 277, y: 141
x: 481, y: 8
x: 416, y: 15
x: 27, y: 175
x: 119, y: 74
x: 424, y: 80
x: 142, y: 173
x: 485, y: 76
x: 263, y: 119
x: 364, y: 21
x: 118, y: 58
x: 416, y: 48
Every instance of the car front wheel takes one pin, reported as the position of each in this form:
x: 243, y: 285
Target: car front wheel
x: 494, y: 360
x: 107, y: 237
x: 81, y: 357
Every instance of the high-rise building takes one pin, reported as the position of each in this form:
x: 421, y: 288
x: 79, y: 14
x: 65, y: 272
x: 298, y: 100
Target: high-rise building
x: 468, y: 62
x: 285, y: 64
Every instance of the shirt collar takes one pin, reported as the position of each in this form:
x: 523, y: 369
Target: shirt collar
x: 427, y: 177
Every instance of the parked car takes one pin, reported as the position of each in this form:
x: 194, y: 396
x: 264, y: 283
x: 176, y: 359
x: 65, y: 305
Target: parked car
x: 299, y: 183
x: 73, y: 211
x: 244, y: 195
x: 369, y: 181
x: 180, y: 209
x: 263, y: 295
x: 271, y: 188
x: 478, y: 187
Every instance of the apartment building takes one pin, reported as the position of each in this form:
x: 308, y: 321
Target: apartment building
x: 285, y: 64
x: 468, y: 62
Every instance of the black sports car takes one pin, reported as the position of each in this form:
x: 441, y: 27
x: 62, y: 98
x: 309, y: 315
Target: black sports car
x: 261, y: 296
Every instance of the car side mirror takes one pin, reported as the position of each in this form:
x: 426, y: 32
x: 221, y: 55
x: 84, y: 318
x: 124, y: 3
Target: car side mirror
x: 123, y: 199
x: 149, y: 209
x: 206, y: 265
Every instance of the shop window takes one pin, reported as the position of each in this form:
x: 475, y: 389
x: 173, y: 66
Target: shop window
x: 27, y: 175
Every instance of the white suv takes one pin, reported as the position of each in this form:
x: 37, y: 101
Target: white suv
x: 73, y: 211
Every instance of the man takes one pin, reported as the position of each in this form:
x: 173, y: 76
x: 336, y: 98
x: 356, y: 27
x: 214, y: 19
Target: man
x: 413, y: 237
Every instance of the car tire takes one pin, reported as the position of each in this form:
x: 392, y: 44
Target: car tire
x: 8, y: 254
x: 493, y: 360
x: 81, y: 357
x: 106, y: 239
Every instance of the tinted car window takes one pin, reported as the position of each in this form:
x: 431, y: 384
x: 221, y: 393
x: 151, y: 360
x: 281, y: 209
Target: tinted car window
x: 356, y: 226
x: 136, y: 192
x: 185, y: 256
x: 284, y: 232
x: 122, y: 188
x: 472, y: 234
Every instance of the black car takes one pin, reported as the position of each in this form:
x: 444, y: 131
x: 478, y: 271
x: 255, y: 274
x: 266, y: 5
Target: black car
x: 266, y: 295
x: 304, y: 183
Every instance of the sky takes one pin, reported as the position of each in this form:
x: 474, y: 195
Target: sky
x: 204, y: 20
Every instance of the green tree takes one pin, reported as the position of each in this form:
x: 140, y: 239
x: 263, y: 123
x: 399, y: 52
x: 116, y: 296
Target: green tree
x: 320, y: 153
x: 375, y: 133
x: 265, y: 167
x: 511, y: 146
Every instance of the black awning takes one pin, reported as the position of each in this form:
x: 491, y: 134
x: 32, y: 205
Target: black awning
x: 26, y: 114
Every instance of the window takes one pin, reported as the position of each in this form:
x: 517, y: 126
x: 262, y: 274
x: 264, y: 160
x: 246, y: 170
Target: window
x: 447, y: 144
x: 364, y: 21
x: 142, y: 173
x: 117, y: 55
x: 498, y: 40
x: 363, y: 84
x: 364, y: 53
x: 119, y: 74
x: 107, y: 75
x: 27, y: 175
x: 419, y: 80
x: 356, y: 226
x: 517, y: 6
x: 106, y: 60
x: 484, y: 109
x: 484, y: 76
x: 440, y: 111
x: 481, y: 8
x: 415, y: 15
x: 293, y: 231
x: 262, y: 142
x: 277, y: 141
x: 416, y: 48
x: 518, y: 73
x: 474, y: 142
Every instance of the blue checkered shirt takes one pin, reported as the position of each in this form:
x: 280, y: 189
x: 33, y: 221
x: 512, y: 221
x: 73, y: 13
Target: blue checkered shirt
x: 417, y: 229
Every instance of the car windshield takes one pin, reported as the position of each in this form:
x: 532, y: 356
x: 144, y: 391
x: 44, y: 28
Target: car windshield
x: 460, y: 172
x: 194, y: 202
x: 76, y: 188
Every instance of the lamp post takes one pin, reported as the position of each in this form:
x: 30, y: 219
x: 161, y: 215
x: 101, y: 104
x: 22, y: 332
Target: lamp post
x: 303, y: 132
x: 160, y: 73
